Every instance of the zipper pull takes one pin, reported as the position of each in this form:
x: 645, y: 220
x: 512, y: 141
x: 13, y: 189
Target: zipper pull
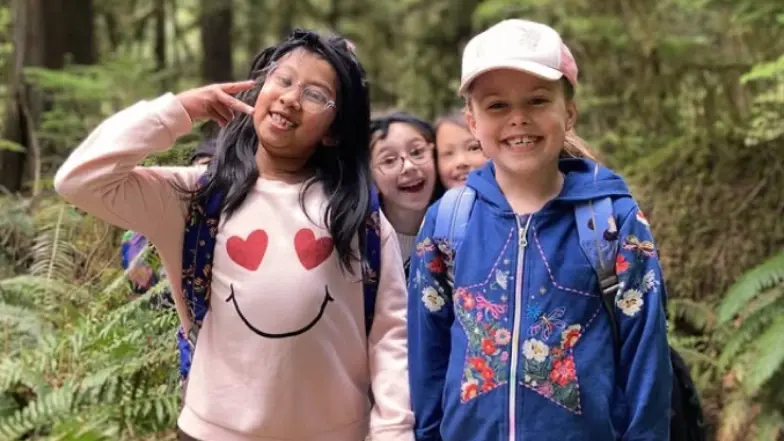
x: 523, y: 237
x: 523, y: 231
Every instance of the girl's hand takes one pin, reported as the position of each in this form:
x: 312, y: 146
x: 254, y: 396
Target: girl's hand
x: 216, y: 101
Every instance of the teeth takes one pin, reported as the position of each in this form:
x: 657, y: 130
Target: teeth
x: 519, y: 140
x: 281, y: 120
x: 409, y: 186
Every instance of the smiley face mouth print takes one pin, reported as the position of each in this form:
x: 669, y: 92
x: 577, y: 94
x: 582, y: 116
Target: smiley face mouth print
x: 249, y: 253
x: 327, y: 298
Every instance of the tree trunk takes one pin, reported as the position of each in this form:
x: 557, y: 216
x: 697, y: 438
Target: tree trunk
x: 28, y: 50
x: 78, y: 20
x: 216, y: 26
x: 159, y: 18
x: 43, y: 32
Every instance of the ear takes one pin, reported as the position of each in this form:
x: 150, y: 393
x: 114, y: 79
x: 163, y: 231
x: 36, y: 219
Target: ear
x: 329, y: 141
x: 571, y: 114
x: 471, y: 121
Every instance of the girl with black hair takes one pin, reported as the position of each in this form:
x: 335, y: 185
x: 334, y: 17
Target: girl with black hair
x: 282, y: 352
x: 404, y: 170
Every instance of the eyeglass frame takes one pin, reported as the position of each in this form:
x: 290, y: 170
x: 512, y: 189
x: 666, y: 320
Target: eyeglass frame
x: 269, y: 71
x: 401, y: 158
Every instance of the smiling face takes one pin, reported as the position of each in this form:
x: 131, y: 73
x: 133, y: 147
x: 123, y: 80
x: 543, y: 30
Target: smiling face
x: 403, y: 168
x: 295, y: 108
x: 521, y: 120
x: 458, y: 153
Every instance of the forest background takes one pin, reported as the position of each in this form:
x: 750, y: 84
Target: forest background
x: 684, y: 97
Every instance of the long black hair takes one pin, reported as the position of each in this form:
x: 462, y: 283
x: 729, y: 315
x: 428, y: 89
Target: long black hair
x: 379, y: 129
x: 343, y: 170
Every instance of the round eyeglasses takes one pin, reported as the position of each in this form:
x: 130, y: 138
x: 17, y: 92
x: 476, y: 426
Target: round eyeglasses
x: 417, y: 154
x: 312, y: 99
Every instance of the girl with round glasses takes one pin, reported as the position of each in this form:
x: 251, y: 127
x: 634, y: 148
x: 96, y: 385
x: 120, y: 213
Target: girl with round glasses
x: 403, y: 165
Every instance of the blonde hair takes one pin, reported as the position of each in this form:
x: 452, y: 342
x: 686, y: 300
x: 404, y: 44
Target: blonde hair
x: 576, y: 147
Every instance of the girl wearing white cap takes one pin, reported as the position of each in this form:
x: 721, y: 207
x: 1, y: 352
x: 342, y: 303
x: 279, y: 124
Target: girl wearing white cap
x: 536, y: 300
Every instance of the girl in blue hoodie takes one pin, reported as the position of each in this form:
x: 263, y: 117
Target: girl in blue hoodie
x: 536, y: 300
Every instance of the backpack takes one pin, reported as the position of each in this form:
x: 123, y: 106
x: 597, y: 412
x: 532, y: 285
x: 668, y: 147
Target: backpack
x: 201, y: 227
x: 686, y: 417
x: 143, y: 271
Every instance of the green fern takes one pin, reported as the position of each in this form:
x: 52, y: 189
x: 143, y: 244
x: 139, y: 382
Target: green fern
x: 768, y: 426
x: 769, y: 356
x: 738, y: 338
x: 26, y: 321
x: 53, y: 254
x: 750, y: 285
x: 697, y: 315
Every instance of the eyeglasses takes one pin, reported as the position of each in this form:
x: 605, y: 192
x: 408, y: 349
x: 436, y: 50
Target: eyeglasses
x: 311, y: 98
x: 417, y: 154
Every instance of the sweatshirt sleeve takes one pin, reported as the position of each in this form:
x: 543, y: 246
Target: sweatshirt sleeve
x: 645, y: 371
x: 102, y: 177
x: 430, y: 317
x: 391, y: 418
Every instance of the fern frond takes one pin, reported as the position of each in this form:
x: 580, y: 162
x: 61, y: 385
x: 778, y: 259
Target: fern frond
x: 7, y: 405
x: 692, y: 355
x: 52, y: 407
x: 13, y: 372
x: 698, y: 315
x: 749, y: 285
x: 28, y: 290
x: 768, y: 426
x: 770, y: 357
x: 738, y: 339
x: 24, y: 320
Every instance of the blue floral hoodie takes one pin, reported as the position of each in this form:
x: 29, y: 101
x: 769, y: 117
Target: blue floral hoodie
x: 509, y: 339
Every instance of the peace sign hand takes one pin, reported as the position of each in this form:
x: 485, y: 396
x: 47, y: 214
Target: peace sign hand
x: 216, y: 101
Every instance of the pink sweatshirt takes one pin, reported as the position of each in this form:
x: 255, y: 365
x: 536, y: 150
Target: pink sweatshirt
x: 275, y: 272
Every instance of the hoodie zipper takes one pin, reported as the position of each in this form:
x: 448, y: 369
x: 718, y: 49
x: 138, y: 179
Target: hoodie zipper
x: 522, y: 235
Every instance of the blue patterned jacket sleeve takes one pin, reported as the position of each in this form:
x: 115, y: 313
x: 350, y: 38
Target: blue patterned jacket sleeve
x: 430, y: 316
x: 645, y: 372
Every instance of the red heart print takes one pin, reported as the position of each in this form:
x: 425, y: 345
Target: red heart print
x: 248, y: 253
x: 312, y: 252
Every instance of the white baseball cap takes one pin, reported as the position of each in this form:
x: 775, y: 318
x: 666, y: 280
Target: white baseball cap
x: 523, y: 45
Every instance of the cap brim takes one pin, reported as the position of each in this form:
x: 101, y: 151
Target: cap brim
x: 530, y: 67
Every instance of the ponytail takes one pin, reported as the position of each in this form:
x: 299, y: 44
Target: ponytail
x: 576, y: 147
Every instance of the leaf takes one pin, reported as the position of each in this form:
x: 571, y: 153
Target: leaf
x: 749, y: 285
x: 770, y: 359
x: 7, y: 144
x: 764, y: 71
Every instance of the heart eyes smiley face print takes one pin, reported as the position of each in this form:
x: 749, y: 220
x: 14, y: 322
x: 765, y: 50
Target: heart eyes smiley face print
x: 251, y: 252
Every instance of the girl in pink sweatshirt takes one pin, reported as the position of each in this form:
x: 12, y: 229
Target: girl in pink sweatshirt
x: 282, y: 353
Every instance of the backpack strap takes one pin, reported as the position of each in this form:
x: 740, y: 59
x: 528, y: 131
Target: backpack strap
x: 598, y: 235
x: 454, y: 210
x: 201, y: 227
x: 371, y: 263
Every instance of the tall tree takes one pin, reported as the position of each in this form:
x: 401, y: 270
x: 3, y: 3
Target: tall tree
x: 216, y: 27
x: 44, y: 31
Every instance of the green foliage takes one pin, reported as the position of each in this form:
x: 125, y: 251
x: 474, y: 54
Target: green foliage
x: 762, y: 287
x: 752, y: 315
x: 684, y: 97
x: 109, y: 366
x: 82, y: 359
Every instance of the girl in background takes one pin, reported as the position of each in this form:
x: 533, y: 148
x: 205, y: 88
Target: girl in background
x: 404, y: 168
x: 457, y: 151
